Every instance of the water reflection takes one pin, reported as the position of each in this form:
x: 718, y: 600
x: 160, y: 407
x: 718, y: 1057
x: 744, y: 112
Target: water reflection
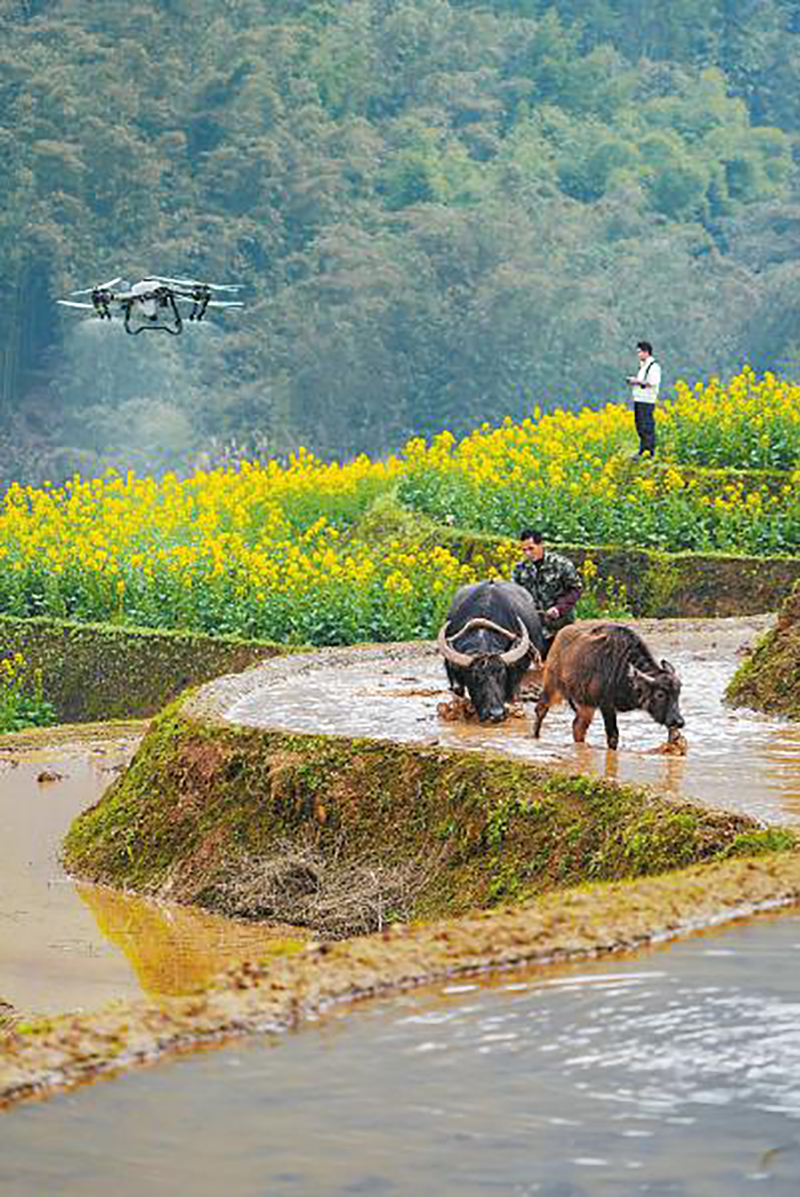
x: 64, y: 945
x: 676, y: 1072
x: 180, y: 949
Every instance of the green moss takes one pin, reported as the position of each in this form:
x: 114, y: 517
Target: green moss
x: 662, y: 582
x: 757, y: 843
x: 103, y: 671
x: 198, y: 799
x: 769, y: 679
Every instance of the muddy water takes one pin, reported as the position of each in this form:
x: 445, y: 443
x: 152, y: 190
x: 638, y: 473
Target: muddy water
x: 674, y: 1073
x: 67, y: 945
x: 736, y: 759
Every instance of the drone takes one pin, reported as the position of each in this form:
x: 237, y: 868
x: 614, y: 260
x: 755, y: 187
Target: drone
x: 153, y: 304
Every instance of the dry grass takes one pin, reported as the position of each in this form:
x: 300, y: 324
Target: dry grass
x: 336, y: 898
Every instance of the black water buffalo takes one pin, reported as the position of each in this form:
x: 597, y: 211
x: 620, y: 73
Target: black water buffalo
x: 608, y: 666
x: 490, y: 638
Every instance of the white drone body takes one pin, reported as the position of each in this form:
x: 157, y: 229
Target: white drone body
x: 154, y: 303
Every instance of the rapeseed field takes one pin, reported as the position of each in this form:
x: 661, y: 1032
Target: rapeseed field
x: 273, y: 549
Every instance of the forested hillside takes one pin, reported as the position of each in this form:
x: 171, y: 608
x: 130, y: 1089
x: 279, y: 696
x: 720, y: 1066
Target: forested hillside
x: 442, y: 212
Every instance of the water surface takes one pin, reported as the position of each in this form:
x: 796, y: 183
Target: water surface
x: 737, y: 759
x: 673, y: 1073
x: 67, y: 945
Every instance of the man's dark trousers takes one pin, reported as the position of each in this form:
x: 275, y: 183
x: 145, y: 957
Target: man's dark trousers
x: 645, y: 416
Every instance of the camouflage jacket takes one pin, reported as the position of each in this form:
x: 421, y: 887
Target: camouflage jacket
x: 554, y: 582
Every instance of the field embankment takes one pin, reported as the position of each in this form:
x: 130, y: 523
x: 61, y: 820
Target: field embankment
x: 588, y: 921
x: 769, y: 679
x: 99, y: 672
x: 265, y: 824
x: 651, y: 583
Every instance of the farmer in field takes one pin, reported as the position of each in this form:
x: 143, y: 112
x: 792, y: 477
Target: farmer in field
x: 553, y: 581
x: 645, y: 384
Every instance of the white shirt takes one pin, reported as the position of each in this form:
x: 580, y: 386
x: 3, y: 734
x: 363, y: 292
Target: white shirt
x: 650, y: 374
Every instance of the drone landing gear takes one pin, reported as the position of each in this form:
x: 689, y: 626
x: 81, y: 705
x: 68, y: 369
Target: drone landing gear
x: 152, y: 321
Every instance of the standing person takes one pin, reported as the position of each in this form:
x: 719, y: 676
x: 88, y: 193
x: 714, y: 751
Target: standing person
x: 645, y: 392
x: 553, y: 581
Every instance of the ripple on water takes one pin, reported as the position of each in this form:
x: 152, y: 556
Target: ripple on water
x: 677, y: 1072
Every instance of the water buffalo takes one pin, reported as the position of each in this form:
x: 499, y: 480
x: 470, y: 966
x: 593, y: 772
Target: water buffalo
x: 491, y: 637
x: 608, y: 666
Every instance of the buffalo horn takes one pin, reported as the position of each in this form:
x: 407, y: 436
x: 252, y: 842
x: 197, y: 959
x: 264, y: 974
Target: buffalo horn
x: 483, y: 623
x: 635, y: 673
x: 463, y: 660
x: 512, y: 655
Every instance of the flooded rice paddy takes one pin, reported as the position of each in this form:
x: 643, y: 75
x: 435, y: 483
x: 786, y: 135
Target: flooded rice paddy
x: 67, y: 945
x: 737, y: 759
x: 674, y: 1074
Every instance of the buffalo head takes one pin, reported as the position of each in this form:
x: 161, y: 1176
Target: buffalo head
x: 658, y: 694
x: 485, y: 674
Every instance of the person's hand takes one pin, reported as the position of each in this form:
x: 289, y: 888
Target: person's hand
x: 552, y: 613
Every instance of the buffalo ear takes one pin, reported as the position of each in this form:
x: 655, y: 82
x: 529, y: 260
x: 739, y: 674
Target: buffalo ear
x: 640, y: 681
x: 665, y: 665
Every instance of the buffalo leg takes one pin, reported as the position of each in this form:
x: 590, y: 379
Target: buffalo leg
x: 455, y: 682
x: 581, y: 723
x: 542, y: 707
x: 612, y: 731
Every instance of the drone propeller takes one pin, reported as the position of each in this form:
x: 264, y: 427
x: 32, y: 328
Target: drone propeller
x: 103, y: 287
x: 69, y: 303
x: 224, y: 303
x: 193, y: 282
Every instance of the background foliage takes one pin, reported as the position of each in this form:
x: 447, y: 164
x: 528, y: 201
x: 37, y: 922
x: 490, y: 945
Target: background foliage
x: 443, y: 212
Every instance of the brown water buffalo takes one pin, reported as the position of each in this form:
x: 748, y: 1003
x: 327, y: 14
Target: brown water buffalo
x: 607, y: 666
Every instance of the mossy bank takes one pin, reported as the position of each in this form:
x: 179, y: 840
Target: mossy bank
x: 769, y: 679
x: 100, y: 671
x: 659, y: 585
x: 206, y: 806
